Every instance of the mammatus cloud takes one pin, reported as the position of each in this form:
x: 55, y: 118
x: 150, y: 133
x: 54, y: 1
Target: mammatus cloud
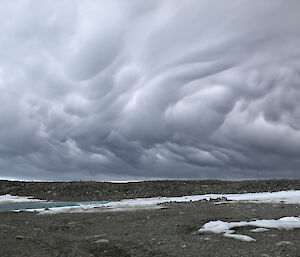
x: 149, y: 89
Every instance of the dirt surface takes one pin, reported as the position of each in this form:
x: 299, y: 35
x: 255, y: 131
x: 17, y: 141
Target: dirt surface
x: 160, y: 232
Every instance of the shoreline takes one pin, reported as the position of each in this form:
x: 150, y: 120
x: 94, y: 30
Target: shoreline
x: 107, y: 191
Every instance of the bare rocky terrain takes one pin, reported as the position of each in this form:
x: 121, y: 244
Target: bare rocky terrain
x: 169, y: 231
x: 96, y: 191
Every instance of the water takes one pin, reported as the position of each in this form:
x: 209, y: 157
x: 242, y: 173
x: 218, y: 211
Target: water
x: 42, y: 205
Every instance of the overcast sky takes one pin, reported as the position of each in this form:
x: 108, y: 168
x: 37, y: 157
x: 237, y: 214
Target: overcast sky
x: 130, y: 89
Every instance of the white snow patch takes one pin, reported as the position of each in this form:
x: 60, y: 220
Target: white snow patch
x: 17, y: 199
x: 291, y: 197
x: 89, y: 209
x: 240, y: 237
x: 256, y: 230
x: 226, y: 228
x: 288, y: 197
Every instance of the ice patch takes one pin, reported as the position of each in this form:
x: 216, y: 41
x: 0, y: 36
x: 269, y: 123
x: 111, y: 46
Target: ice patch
x: 226, y: 228
x: 288, y: 197
x: 292, y: 197
x: 17, y: 199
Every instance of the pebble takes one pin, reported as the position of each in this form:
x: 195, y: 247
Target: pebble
x: 101, y: 235
x: 72, y: 223
x: 284, y: 243
x: 256, y: 230
x: 95, y: 236
x: 101, y: 241
x: 37, y: 229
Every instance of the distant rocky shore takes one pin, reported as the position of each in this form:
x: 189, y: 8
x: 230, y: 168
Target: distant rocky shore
x: 96, y: 191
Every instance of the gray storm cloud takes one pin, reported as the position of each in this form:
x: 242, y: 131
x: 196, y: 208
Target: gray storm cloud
x: 118, y: 89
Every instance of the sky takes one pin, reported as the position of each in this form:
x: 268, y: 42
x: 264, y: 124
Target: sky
x: 173, y: 89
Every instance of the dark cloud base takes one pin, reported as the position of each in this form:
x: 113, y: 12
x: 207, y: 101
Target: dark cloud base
x: 145, y: 90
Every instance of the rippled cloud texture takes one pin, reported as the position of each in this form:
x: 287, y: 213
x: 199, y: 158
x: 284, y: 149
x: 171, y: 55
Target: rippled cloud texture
x: 149, y: 89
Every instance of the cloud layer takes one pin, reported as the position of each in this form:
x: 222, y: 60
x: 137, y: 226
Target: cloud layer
x: 149, y: 89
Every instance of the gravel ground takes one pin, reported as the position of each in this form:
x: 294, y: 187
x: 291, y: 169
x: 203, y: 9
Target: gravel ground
x: 160, y: 232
